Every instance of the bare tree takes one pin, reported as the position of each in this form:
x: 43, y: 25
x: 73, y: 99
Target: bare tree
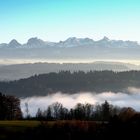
x: 27, y: 110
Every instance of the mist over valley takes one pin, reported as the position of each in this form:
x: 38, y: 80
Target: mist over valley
x: 128, y: 99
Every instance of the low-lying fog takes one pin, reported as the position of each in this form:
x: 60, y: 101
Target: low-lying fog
x: 10, y: 61
x: 130, y: 99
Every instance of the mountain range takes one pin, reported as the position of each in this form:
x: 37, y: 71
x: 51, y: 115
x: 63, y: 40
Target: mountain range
x: 72, y: 49
x: 70, y: 42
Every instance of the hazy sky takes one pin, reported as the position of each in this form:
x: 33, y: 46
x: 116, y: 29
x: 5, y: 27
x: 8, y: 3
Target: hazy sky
x: 56, y: 20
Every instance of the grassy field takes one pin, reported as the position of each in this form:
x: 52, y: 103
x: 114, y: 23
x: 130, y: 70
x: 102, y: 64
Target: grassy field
x: 16, y: 126
x: 67, y: 129
x: 9, y: 129
x: 29, y: 124
x: 19, y: 123
x: 37, y: 129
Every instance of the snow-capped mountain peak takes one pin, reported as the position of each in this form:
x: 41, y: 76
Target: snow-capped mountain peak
x: 35, y: 42
x: 14, y: 43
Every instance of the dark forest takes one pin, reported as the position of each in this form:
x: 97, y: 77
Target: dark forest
x: 67, y: 82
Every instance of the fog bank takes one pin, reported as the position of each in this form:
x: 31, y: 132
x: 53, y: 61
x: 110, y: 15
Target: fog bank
x: 130, y: 99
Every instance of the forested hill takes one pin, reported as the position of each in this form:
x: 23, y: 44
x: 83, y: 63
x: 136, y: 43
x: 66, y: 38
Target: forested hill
x: 67, y: 82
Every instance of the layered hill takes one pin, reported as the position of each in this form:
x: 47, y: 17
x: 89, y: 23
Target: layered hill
x: 67, y: 82
x: 20, y: 71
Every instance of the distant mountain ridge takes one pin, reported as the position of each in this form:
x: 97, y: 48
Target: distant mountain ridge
x: 71, y: 42
x: 71, y: 49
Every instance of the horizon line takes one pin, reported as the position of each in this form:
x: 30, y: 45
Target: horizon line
x: 104, y: 37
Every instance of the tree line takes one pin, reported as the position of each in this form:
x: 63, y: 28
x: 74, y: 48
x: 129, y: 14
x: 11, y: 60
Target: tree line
x: 10, y: 110
x: 72, y: 82
x: 87, y: 112
x: 114, y: 121
x: 9, y: 107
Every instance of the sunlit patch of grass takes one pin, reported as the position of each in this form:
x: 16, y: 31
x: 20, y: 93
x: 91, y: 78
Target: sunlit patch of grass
x: 20, y: 123
x: 19, y: 126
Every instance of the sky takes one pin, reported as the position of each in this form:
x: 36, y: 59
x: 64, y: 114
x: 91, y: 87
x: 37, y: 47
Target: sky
x: 55, y: 20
